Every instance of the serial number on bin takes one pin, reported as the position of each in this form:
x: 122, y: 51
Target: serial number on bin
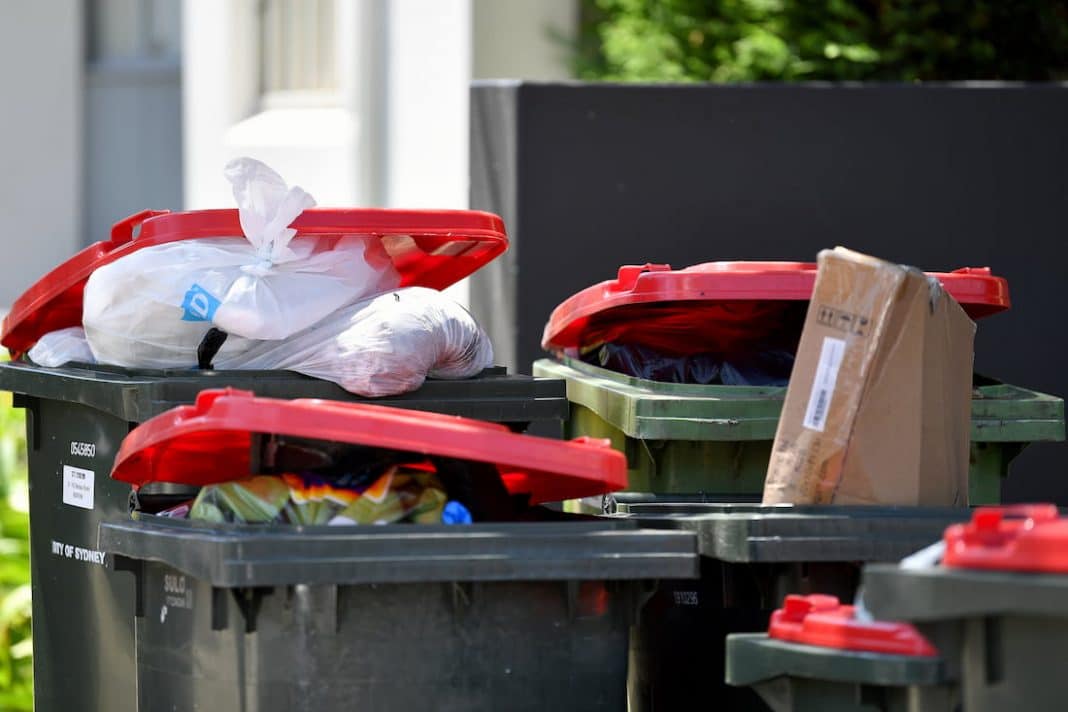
x: 174, y: 584
x: 686, y: 598
x: 82, y: 449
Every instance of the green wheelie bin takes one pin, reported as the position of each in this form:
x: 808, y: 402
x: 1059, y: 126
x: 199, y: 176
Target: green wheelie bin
x: 685, y: 371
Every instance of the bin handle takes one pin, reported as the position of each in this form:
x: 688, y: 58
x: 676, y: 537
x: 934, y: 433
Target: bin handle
x: 627, y: 275
x: 990, y: 517
x: 123, y: 231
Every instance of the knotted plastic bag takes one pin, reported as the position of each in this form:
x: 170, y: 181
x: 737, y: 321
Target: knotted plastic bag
x: 381, y: 346
x: 152, y: 308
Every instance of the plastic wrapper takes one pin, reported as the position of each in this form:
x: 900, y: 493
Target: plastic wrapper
x: 62, y: 346
x: 335, y: 483
x: 400, y: 494
x: 154, y: 307
x: 380, y: 346
x: 397, y: 496
x: 180, y: 511
x: 455, y: 513
x: 257, y: 500
x: 758, y: 368
x: 314, y: 500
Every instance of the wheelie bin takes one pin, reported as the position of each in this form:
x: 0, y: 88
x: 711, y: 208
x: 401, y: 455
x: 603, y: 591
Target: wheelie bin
x: 531, y: 615
x: 699, y: 414
x: 996, y: 607
x: 752, y: 556
x: 78, y: 414
x: 817, y: 656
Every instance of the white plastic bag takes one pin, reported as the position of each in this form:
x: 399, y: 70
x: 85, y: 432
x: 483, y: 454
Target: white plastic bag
x: 381, y: 346
x: 63, y: 346
x: 152, y: 308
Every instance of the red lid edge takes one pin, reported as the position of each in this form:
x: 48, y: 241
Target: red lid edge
x: 54, y: 301
x: 551, y: 469
x: 979, y: 292
x: 822, y: 621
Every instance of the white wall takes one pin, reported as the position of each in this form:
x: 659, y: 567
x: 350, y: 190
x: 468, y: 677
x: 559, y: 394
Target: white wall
x: 133, y: 111
x: 40, y: 139
x: 434, y: 49
x: 218, y: 92
x: 428, y: 67
x: 523, y: 39
x: 399, y: 136
x: 133, y: 144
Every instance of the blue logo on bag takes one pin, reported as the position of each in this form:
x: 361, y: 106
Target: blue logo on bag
x: 199, y: 304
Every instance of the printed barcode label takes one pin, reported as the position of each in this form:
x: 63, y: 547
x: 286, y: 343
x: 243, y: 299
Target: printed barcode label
x: 78, y: 486
x: 819, y: 402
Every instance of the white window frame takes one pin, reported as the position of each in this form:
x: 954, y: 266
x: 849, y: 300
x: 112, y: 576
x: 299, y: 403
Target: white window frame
x: 309, y: 98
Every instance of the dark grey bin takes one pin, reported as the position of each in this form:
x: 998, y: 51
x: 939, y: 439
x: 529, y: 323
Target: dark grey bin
x: 803, y: 678
x: 530, y: 616
x: 76, y: 418
x: 1003, y: 635
x: 751, y: 557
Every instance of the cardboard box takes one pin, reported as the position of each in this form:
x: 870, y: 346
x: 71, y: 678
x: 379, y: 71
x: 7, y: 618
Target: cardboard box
x: 878, y: 410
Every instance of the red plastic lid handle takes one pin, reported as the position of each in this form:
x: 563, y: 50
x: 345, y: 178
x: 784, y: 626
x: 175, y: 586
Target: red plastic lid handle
x: 1024, y: 537
x: 123, y: 231
x: 822, y: 621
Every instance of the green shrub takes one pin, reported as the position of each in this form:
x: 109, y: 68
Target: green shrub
x: 793, y: 40
x: 16, y: 646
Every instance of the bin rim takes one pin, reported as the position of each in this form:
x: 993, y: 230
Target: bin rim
x: 211, y: 441
x: 455, y: 243
x: 242, y: 555
x: 754, y: 658
x: 979, y: 292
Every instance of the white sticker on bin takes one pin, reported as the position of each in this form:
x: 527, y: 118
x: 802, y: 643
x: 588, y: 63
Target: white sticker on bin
x: 819, y: 402
x: 78, y: 485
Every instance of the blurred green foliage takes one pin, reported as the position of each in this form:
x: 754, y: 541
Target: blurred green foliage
x: 16, y: 646
x: 834, y: 40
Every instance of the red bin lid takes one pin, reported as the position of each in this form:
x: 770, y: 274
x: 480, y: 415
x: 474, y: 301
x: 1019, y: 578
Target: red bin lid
x: 1012, y: 538
x: 598, y: 312
x: 822, y: 621
x: 429, y: 248
x: 210, y: 441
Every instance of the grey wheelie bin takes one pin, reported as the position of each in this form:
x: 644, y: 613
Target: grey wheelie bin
x: 78, y: 414
x: 996, y: 607
x: 818, y: 657
x: 751, y: 557
x: 529, y: 615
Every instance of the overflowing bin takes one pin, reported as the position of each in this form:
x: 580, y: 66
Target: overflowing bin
x: 752, y: 556
x: 78, y: 414
x: 485, y: 616
x: 684, y: 371
x: 996, y: 607
x: 817, y: 656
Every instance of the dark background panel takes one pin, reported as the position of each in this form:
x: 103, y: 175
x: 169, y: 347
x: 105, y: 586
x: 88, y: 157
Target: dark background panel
x: 589, y: 177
